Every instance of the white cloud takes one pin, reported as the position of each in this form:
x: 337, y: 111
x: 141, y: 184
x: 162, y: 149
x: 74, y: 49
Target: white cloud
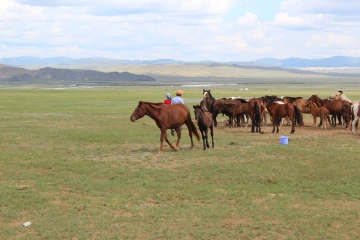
x: 186, y: 30
x: 249, y: 20
x: 284, y: 20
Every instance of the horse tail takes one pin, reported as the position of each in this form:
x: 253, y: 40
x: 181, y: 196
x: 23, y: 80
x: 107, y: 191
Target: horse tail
x: 192, y: 127
x: 298, y: 116
x: 257, y: 113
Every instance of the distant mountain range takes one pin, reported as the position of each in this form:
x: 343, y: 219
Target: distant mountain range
x: 332, y: 62
x: 52, y: 75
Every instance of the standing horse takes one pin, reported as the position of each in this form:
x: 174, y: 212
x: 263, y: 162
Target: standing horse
x: 278, y: 111
x: 321, y: 112
x: 205, y: 122
x: 255, y: 110
x: 335, y: 107
x: 214, y: 105
x: 355, y: 109
x: 167, y: 117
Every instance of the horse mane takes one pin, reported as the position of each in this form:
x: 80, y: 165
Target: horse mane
x: 241, y: 100
x: 292, y: 99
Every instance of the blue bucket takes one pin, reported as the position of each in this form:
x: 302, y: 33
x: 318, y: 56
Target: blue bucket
x: 284, y: 140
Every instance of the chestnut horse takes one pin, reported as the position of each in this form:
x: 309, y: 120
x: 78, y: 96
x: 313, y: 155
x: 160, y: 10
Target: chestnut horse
x: 320, y: 112
x: 335, y: 107
x: 278, y: 111
x: 167, y: 117
x: 205, y: 122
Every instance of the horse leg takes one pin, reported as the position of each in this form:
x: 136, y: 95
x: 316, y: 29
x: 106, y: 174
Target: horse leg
x: 163, y: 136
x: 212, y: 135
x: 207, y: 137
x: 273, y: 123
x: 339, y: 116
x: 293, y: 122
x: 314, y: 121
x: 203, y: 138
x: 178, y: 133
x: 328, y: 118
x: 252, y: 124
x: 353, y: 125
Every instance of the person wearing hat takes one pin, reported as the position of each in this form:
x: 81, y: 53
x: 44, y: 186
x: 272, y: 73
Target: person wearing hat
x: 168, y: 99
x: 178, y: 99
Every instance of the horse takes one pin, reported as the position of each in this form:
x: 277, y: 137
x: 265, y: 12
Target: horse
x: 338, y: 96
x: 321, y: 112
x: 299, y: 102
x: 255, y: 110
x: 167, y: 117
x: 278, y: 111
x: 205, y: 122
x: 240, y: 112
x: 214, y: 105
x: 355, y: 109
x: 335, y: 107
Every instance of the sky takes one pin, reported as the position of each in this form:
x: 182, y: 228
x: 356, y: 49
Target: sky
x: 188, y: 30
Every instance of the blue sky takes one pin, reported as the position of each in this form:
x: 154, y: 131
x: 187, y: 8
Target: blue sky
x: 264, y: 9
x: 190, y: 30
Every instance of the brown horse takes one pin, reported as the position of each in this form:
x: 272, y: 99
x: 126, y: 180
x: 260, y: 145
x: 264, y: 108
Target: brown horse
x: 278, y: 111
x: 299, y: 102
x: 320, y: 112
x: 255, y: 110
x: 214, y: 105
x: 335, y: 107
x: 167, y: 117
x: 205, y: 122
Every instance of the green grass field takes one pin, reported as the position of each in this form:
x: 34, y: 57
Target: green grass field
x: 74, y: 165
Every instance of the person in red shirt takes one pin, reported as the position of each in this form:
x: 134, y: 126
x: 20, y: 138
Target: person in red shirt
x: 168, y: 102
x: 168, y: 99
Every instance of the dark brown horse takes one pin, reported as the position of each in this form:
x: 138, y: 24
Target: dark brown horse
x: 214, y: 105
x: 167, y: 117
x: 281, y: 110
x: 255, y: 111
x: 205, y: 122
x: 335, y: 107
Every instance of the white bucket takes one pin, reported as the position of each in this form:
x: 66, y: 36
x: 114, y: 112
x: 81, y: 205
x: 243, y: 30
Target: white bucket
x: 284, y: 140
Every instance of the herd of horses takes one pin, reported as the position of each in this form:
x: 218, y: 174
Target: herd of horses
x: 240, y: 110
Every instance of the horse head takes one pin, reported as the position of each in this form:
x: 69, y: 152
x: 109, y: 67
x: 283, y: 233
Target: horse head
x: 267, y: 100
x: 197, y: 111
x: 313, y: 98
x: 139, y: 112
x: 336, y: 96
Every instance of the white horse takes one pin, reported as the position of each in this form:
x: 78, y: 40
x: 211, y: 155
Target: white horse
x: 356, y: 111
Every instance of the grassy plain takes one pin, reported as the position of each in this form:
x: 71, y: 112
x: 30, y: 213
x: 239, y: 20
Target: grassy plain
x: 74, y: 165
